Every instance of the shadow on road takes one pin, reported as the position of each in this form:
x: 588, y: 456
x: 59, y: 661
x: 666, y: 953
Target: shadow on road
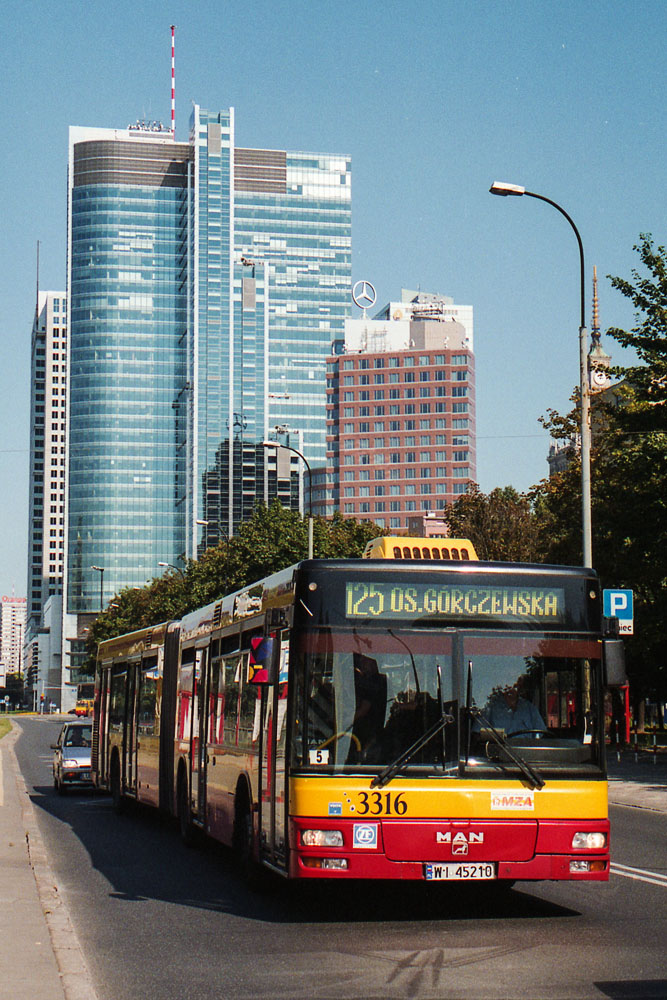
x: 140, y: 855
x: 634, y: 989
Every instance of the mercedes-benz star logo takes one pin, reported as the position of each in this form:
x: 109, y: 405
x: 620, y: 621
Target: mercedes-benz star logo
x: 364, y: 295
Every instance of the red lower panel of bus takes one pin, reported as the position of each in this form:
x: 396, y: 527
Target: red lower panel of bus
x: 517, y: 849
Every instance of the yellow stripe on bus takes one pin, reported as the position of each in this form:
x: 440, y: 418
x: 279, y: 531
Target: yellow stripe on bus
x: 439, y: 798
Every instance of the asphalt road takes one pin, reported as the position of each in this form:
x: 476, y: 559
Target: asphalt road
x: 160, y: 921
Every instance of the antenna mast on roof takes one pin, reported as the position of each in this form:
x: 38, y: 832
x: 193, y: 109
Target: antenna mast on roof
x: 173, y: 85
x: 37, y: 296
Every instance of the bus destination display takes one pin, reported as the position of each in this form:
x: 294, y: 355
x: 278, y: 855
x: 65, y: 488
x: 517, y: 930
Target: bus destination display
x: 388, y: 600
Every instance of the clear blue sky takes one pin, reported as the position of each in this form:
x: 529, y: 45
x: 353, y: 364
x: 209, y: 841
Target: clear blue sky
x: 434, y: 101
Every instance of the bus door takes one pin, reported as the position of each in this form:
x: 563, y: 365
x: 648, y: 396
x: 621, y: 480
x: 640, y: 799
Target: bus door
x: 273, y: 783
x: 198, y: 756
x: 130, y: 734
x: 101, y: 728
x: 147, y: 729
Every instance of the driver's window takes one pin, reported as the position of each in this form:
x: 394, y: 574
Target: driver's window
x: 507, y: 692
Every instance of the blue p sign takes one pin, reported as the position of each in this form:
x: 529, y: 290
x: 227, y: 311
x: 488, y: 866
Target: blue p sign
x: 619, y: 604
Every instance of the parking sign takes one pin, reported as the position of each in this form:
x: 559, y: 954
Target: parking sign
x: 619, y: 604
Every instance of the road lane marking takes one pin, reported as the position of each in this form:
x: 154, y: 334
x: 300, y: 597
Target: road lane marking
x: 640, y: 874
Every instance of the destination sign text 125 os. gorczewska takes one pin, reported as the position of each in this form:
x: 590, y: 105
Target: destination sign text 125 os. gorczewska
x: 378, y: 600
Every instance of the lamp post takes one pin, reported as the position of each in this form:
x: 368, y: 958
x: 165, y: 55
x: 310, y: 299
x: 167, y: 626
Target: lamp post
x: 287, y: 447
x: 171, y: 566
x: 100, y: 570
x: 516, y: 190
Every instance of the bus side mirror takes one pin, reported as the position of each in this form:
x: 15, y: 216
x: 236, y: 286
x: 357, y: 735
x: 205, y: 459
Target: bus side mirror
x: 262, y: 660
x: 614, y: 662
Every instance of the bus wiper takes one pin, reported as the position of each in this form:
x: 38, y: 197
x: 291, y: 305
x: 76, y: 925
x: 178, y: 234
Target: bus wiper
x: 532, y: 775
x: 390, y: 771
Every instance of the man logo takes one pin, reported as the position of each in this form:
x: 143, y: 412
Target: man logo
x: 459, y: 841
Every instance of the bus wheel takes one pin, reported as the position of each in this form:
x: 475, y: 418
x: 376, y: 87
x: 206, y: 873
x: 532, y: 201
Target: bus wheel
x: 184, y: 817
x: 117, y: 796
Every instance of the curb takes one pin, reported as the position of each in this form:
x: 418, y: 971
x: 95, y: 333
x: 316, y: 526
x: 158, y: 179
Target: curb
x: 74, y: 974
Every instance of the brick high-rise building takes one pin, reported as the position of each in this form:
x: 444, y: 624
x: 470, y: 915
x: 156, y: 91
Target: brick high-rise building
x: 401, y: 414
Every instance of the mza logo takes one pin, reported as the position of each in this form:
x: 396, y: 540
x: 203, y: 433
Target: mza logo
x: 365, y: 835
x: 523, y: 801
x: 459, y: 841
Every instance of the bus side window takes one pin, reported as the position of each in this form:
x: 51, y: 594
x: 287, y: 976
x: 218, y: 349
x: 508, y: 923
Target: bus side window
x: 149, y: 719
x: 251, y: 694
x: 465, y: 554
x: 216, y: 701
x: 117, y: 701
x: 185, y: 693
x: 397, y: 552
x: 406, y: 552
x: 426, y: 552
x: 445, y: 553
x: 436, y: 553
x: 416, y: 552
x: 232, y: 680
x: 455, y: 553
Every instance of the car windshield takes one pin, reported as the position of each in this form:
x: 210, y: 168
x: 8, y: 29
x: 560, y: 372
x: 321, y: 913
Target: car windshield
x: 77, y: 736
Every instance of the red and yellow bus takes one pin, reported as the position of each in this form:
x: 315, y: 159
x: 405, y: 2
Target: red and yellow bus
x: 375, y: 718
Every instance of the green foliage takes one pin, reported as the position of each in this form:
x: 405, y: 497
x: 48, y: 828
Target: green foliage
x: 501, y: 525
x: 646, y: 406
x: 271, y: 540
x: 628, y: 479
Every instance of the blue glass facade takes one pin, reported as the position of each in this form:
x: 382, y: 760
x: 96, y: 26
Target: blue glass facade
x: 128, y: 296
x: 207, y: 284
x: 275, y: 228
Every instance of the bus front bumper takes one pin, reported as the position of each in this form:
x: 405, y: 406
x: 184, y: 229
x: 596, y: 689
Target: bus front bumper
x: 466, y: 850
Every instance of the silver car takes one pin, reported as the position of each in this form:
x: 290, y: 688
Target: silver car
x: 71, y: 757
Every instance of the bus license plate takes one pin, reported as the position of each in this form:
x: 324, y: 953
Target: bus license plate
x: 459, y: 873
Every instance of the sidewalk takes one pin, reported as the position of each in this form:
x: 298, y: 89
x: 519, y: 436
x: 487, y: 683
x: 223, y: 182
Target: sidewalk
x: 638, y: 779
x: 40, y: 957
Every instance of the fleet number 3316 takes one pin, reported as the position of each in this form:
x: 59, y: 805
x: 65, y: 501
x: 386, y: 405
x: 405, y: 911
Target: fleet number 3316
x: 381, y: 804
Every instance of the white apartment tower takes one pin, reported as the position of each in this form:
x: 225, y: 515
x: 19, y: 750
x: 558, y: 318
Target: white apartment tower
x: 48, y: 409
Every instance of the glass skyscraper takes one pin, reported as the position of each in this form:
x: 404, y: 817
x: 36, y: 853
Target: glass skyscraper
x: 206, y: 286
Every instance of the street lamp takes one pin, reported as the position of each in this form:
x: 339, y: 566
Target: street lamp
x: 171, y: 566
x: 100, y: 570
x: 516, y: 190
x: 287, y: 447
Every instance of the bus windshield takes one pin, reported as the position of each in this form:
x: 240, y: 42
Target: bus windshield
x: 364, y: 697
x: 538, y: 694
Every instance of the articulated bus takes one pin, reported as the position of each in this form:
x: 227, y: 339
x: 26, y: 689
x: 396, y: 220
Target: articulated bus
x: 375, y: 718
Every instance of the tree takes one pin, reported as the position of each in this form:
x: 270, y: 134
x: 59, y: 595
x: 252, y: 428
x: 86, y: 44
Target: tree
x: 645, y: 405
x: 501, y: 525
x: 273, y: 539
x: 628, y: 478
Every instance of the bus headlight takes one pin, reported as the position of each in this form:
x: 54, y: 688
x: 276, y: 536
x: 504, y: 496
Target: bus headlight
x: 589, y: 841
x: 322, y: 838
